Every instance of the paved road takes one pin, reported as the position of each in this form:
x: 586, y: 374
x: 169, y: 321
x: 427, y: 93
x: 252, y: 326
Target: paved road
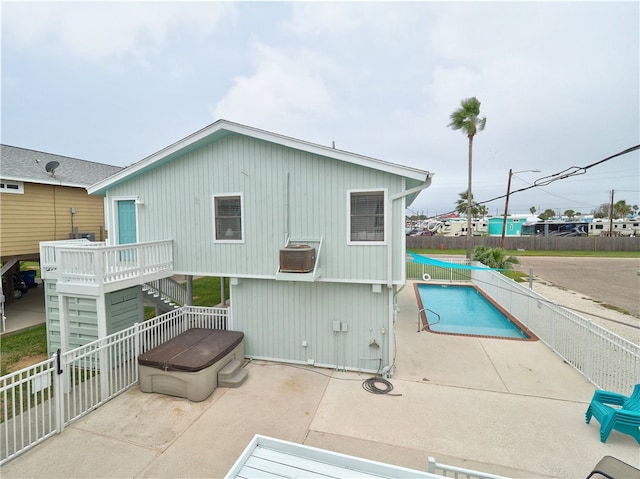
x: 615, y: 281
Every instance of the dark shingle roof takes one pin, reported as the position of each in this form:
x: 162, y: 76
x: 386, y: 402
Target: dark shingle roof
x: 21, y: 164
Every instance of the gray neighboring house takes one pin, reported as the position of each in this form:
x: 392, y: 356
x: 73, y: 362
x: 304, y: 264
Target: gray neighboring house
x: 312, y: 239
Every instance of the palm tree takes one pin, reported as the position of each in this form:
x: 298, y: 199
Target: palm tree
x: 462, y: 204
x: 532, y: 210
x: 621, y: 209
x: 493, y: 257
x: 467, y: 118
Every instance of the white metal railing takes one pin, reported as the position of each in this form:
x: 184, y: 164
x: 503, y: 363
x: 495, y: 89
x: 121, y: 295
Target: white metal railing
x: 439, y: 273
x: 446, y: 470
x: 39, y: 401
x: 29, y: 414
x: 89, y: 264
x: 604, y: 358
x: 168, y: 289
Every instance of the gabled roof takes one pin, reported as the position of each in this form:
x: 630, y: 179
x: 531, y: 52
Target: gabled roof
x: 222, y: 128
x: 29, y: 166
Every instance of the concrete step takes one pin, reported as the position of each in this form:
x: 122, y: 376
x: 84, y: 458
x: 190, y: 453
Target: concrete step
x: 232, y: 375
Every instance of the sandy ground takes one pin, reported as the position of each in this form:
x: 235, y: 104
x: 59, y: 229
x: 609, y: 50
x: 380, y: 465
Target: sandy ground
x: 614, y: 281
x: 588, y: 285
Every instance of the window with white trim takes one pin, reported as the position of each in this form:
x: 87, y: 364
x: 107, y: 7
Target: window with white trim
x: 16, y: 187
x: 228, y: 218
x: 366, y: 216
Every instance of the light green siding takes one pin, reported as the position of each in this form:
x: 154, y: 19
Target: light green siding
x: 123, y: 309
x: 82, y: 320
x: 278, y: 317
x: 284, y: 191
x: 52, y: 316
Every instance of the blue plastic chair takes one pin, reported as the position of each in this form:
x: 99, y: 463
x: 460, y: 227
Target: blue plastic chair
x: 616, y: 411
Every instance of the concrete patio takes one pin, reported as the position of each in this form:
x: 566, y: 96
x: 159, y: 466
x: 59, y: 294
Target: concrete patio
x: 506, y: 407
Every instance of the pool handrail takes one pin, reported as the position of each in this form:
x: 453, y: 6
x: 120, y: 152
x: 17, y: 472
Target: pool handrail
x: 426, y: 323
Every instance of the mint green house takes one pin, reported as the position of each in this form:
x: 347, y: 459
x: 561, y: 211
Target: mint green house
x: 311, y: 238
x: 513, y: 225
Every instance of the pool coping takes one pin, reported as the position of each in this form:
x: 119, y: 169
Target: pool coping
x: 425, y: 324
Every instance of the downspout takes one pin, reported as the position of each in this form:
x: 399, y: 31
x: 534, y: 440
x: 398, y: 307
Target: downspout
x: 389, y: 220
x: 387, y: 371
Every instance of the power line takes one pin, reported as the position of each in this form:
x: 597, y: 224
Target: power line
x: 546, y: 180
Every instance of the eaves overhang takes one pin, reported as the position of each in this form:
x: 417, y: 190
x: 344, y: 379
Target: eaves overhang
x: 222, y: 128
x: 53, y: 181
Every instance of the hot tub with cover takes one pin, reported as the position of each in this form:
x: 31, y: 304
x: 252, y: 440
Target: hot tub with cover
x: 188, y: 365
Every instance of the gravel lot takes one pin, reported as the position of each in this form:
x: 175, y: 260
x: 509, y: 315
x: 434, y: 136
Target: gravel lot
x: 614, y: 281
x: 582, y: 284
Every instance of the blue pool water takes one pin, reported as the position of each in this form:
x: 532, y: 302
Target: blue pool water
x: 464, y: 310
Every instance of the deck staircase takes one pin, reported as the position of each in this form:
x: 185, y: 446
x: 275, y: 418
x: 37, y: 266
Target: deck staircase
x: 165, y: 294
x: 232, y: 375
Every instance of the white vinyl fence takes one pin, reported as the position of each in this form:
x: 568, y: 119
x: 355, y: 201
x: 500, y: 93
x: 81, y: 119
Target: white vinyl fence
x: 39, y: 401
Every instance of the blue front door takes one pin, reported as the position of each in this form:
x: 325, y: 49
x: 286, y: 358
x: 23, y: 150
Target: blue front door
x: 127, y: 222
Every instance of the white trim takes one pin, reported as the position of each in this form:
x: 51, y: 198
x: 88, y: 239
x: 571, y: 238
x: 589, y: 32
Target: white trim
x: 386, y: 233
x: 53, y: 181
x: 314, y: 462
x: 17, y: 187
x: 242, y: 218
x: 224, y: 125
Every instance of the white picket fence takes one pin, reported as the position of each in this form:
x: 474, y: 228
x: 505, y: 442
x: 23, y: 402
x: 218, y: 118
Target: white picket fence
x: 39, y: 401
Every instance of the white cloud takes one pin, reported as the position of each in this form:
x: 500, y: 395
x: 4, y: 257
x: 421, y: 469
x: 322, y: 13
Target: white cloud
x: 385, y: 20
x: 287, y: 90
x: 558, y: 81
x: 101, y: 31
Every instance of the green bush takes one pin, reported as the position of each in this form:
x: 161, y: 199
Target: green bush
x: 493, y: 257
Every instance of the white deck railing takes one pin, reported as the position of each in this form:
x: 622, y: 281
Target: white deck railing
x: 83, y: 266
x: 39, y: 401
x: 446, y: 470
x: 167, y: 289
x: 49, y: 259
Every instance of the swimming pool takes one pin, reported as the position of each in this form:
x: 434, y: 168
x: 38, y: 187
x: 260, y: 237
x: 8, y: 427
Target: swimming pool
x: 465, y: 310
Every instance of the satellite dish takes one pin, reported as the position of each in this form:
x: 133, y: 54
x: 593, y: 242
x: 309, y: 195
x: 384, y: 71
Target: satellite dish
x: 51, y: 167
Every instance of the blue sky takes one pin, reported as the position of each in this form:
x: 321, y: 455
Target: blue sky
x: 114, y: 82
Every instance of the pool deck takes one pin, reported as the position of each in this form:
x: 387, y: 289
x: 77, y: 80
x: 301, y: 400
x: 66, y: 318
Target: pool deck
x: 507, y: 407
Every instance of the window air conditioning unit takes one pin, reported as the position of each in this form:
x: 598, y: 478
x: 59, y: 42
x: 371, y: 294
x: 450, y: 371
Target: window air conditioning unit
x: 298, y: 258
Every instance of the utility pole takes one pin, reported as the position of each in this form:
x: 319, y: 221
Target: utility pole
x: 506, y: 202
x: 611, y: 215
x: 506, y: 210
